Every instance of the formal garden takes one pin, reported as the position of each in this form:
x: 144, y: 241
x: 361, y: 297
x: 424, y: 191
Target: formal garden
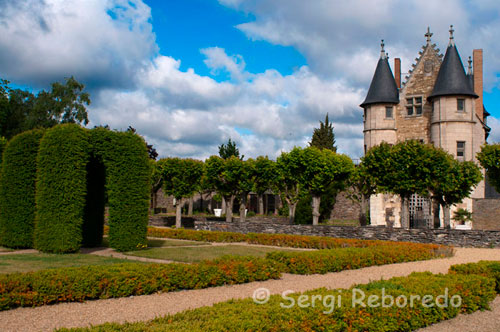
x: 74, y: 206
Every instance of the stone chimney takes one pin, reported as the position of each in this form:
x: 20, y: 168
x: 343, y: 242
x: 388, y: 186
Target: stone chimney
x: 477, y: 57
x: 397, y: 72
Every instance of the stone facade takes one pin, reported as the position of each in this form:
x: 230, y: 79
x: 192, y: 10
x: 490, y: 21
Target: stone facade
x: 345, y: 208
x: 437, y: 121
x: 459, y: 238
x: 486, y: 215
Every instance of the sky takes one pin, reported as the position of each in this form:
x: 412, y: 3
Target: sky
x: 190, y: 74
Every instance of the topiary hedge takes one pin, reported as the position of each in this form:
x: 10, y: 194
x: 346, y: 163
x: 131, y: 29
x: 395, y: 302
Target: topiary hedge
x: 61, y: 188
x: 17, y: 190
x: 125, y: 157
x: 3, y: 142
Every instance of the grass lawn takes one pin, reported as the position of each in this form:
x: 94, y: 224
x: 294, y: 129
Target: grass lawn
x: 32, y: 262
x: 193, y: 254
x: 153, y: 243
x: 3, y: 249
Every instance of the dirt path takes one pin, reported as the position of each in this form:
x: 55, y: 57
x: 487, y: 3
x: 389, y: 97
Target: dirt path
x: 148, y: 307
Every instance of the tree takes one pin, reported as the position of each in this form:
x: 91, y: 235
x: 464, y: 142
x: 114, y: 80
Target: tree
x: 289, y: 168
x: 228, y: 150
x: 265, y: 178
x: 156, y: 181
x: 323, y: 137
x: 224, y: 175
x: 22, y: 110
x: 489, y: 158
x: 320, y: 170
x: 3, y: 142
x: 361, y: 187
x: 181, y: 179
x: 151, y: 150
x: 246, y: 178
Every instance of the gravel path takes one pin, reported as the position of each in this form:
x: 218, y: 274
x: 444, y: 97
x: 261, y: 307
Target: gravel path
x: 148, y: 307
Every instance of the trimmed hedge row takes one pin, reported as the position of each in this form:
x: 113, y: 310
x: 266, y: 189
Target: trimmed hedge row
x: 245, y: 315
x: 125, y: 157
x: 121, y: 280
x: 3, y: 142
x: 61, y: 188
x: 336, y: 260
x: 17, y: 190
x: 489, y: 269
x: 280, y: 240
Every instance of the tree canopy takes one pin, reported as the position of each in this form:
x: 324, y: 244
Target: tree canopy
x: 228, y: 150
x: 489, y: 157
x: 323, y: 137
x: 22, y: 110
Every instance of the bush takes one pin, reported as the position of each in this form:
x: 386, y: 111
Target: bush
x: 245, y: 315
x: 336, y: 260
x: 125, y: 157
x: 3, y: 142
x: 489, y: 269
x: 17, y: 190
x: 61, y: 188
x: 121, y: 280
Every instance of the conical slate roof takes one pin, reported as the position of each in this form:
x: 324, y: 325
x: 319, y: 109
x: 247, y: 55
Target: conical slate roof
x: 383, y: 88
x: 451, y: 79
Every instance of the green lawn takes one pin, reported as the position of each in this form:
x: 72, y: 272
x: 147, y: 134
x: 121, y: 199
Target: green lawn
x: 153, y: 243
x: 193, y: 254
x: 3, y: 249
x: 32, y: 262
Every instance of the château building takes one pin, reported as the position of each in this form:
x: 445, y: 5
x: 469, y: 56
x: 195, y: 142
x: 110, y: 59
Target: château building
x: 438, y: 103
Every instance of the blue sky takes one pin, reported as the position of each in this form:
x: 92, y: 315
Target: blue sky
x: 190, y: 74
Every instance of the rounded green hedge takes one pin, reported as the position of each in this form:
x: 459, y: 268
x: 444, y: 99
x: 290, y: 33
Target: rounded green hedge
x: 17, y: 190
x: 61, y: 188
x: 3, y: 142
x: 126, y: 161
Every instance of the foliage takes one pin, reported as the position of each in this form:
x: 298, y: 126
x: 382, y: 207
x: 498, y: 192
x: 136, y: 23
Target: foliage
x: 229, y: 150
x: 181, y: 177
x: 462, y: 215
x: 340, y: 259
x: 61, y: 188
x: 17, y: 190
x: 490, y: 269
x: 22, y: 110
x: 128, y: 170
x: 3, y: 142
x: 489, y: 157
x: 289, y: 168
x: 129, y: 279
x: 323, y: 137
x: 341, y: 313
x: 265, y: 174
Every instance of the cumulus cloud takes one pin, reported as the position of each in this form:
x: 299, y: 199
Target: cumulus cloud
x: 102, y: 43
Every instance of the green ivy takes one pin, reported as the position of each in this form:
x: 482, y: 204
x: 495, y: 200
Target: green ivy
x: 17, y: 190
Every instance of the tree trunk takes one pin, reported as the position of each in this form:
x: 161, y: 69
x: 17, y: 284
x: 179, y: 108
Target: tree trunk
x: 291, y: 212
x: 363, y: 220
x: 153, y: 201
x: 223, y: 207
x: 446, y: 214
x: 278, y: 204
x: 178, y: 212
x: 261, y: 203
x: 405, y: 213
x: 201, y: 203
x: 243, y: 207
x: 436, y: 208
x: 316, y: 201
x: 209, y: 207
x: 229, y: 209
x: 190, y: 206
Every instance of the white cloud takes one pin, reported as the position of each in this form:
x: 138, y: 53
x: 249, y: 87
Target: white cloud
x: 218, y: 60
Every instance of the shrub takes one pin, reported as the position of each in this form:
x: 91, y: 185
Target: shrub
x: 3, y: 142
x: 17, y: 190
x: 245, y: 315
x: 61, y: 188
x: 489, y: 269
x: 336, y: 260
x: 125, y: 157
x: 121, y: 280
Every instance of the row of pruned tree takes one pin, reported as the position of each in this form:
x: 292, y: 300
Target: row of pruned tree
x: 307, y: 169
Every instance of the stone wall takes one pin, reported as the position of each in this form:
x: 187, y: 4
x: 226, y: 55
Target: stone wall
x: 458, y: 238
x: 345, y: 208
x: 486, y: 214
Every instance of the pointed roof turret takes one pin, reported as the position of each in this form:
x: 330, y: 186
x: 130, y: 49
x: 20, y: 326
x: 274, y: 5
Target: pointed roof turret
x: 383, y: 87
x: 451, y: 79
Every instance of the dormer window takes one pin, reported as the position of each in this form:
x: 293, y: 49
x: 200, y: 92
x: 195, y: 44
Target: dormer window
x: 414, y: 106
x: 460, y: 105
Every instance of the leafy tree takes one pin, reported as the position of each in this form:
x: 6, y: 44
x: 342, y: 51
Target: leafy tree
x: 323, y: 137
x: 320, y: 170
x: 289, y: 168
x: 246, y: 178
x: 265, y: 178
x: 181, y: 179
x: 361, y: 187
x: 228, y: 150
x: 22, y: 110
x: 489, y: 158
x: 224, y: 176
x: 3, y: 142
x: 151, y: 150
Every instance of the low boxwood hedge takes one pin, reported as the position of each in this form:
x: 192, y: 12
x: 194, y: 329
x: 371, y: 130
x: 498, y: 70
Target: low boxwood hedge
x: 245, y: 315
x: 121, y: 280
x: 489, y: 269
